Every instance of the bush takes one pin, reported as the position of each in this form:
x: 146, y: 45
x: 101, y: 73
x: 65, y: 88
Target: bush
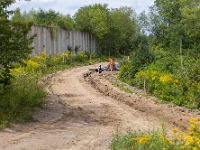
x: 82, y: 57
x: 141, y: 55
x: 22, y: 96
x: 125, y: 73
x: 166, y: 80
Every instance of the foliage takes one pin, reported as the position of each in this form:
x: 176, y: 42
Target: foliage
x: 14, y: 43
x: 170, y: 21
x: 3, y: 6
x: 165, y: 78
x: 191, y: 22
x: 19, y: 93
x: 122, y: 25
x: 48, y: 18
x: 93, y: 18
x: 139, y: 58
x: 23, y: 95
x: 81, y: 57
x: 158, y: 139
x: 168, y: 81
x: 112, y: 28
x: 76, y: 49
x: 125, y: 73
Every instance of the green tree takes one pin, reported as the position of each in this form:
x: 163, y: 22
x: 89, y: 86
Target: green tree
x: 191, y: 21
x: 166, y: 24
x: 140, y: 58
x: 17, y: 16
x: 143, y: 22
x: 122, y: 25
x: 45, y: 18
x: 29, y: 16
x: 142, y: 55
x: 94, y: 19
x: 14, y: 44
x: 112, y: 28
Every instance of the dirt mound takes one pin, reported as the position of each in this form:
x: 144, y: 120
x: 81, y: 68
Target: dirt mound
x: 176, y: 116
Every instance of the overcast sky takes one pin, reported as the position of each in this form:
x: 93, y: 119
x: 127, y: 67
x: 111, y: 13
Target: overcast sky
x: 72, y: 6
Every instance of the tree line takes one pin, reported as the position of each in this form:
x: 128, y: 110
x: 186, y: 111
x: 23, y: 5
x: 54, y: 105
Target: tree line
x: 165, y: 24
x: 111, y: 27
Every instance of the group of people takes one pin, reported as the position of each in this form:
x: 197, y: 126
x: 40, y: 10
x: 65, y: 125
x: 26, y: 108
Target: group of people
x: 111, y: 66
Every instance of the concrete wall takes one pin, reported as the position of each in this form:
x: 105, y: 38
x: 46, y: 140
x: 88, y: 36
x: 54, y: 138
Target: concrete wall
x: 54, y: 41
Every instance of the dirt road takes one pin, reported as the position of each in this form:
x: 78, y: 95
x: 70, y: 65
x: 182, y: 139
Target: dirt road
x: 83, y: 110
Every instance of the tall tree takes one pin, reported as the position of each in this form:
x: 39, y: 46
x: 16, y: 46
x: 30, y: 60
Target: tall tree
x: 143, y: 22
x: 113, y: 28
x: 17, y: 16
x: 93, y: 18
x: 191, y: 21
x: 14, y: 43
x: 167, y: 16
x: 122, y: 25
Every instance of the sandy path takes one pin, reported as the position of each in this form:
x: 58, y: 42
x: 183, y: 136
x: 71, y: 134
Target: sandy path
x: 77, y: 117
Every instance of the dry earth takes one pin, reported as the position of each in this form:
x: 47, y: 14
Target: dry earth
x: 82, y: 111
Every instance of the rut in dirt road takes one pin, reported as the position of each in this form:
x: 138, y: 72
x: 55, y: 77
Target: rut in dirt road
x: 79, y: 116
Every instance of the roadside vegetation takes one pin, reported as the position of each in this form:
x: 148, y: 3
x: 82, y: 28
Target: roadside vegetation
x: 163, y: 45
x: 165, y: 64
x: 158, y: 139
x: 25, y: 92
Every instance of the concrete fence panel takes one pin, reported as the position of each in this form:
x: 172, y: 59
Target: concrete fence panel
x: 54, y: 41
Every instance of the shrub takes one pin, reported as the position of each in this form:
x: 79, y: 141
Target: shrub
x: 141, y: 55
x: 82, y: 57
x: 23, y: 95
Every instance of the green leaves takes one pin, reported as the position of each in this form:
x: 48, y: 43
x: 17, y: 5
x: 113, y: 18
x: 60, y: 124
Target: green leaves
x: 44, y: 18
x: 175, y: 19
x: 191, y: 22
x: 3, y: 5
x: 14, y: 43
x: 122, y: 27
x: 94, y: 19
x: 112, y: 28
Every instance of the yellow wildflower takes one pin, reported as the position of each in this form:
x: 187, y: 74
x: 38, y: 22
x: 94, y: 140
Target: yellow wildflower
x: 144, y: 139
x: 174, y: 129
x: 165, y: 79
x: 194, y: 120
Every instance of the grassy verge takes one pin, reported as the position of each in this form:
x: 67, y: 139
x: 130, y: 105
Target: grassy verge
x: 158, y: 139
